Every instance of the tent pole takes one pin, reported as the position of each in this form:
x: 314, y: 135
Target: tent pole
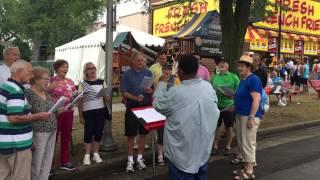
x: 108, y: 143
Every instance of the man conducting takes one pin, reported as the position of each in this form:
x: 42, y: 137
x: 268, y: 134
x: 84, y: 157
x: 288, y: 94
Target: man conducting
x: 192, y: 114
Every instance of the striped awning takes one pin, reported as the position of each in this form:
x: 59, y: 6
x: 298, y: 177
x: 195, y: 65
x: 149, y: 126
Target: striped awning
x: 287, y: 35
x: 196, y: 23
x: 252, y: 34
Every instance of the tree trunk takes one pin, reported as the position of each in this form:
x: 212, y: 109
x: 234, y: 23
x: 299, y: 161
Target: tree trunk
x: 35, y: 49
x: 234, y: 22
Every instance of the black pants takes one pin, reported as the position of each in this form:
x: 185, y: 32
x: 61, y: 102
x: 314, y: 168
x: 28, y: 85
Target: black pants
x: 94, y: 124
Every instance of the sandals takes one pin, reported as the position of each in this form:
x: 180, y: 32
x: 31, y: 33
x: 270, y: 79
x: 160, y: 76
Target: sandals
x: 214, y: 152
x: 237, y: 161
x: 244, y: 175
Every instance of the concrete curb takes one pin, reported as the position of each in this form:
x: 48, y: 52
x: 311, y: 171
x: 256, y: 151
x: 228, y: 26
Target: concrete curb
x: 86, y: 172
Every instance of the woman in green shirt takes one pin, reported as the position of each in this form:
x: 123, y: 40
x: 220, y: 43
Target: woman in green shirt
x: 225, y: 84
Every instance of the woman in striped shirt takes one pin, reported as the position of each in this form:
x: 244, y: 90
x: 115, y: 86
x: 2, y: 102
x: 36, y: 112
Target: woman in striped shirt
x: 92, y: 112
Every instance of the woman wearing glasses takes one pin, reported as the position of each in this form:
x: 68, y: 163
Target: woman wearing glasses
x: 44, y: 132
x: 92, y: 113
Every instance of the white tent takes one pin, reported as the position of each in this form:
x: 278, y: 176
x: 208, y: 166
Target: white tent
x: 88, y: 49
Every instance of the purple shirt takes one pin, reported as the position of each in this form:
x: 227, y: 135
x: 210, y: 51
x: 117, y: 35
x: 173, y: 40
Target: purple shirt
x: 203, y: 73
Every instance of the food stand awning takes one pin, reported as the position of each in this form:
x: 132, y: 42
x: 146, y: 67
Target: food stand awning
x: 252, y: 34
x: 194, y: 27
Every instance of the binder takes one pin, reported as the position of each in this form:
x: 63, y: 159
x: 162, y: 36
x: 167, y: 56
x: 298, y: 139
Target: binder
x: 149, y: 117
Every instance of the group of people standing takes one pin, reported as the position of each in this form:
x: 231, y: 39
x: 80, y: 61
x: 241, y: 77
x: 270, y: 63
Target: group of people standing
x: 29, y: 132
x: 195, y: 107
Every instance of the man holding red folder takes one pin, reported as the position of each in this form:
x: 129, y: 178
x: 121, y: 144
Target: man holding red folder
x: 192, y: 115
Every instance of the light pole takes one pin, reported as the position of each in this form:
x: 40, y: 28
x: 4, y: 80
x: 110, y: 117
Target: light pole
x: 279, y: 31
x: 108, y: 143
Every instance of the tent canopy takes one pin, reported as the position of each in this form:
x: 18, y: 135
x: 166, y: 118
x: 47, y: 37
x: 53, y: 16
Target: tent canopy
x: 88, y: 49
x: 98, y: 38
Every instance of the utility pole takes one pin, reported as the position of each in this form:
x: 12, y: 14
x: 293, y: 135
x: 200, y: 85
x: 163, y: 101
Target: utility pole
x: 108, y: 143
x: 279, y: 31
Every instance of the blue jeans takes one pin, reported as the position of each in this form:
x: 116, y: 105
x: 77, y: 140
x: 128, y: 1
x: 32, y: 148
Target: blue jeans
x: 315, y: 76
x: 177, y: 174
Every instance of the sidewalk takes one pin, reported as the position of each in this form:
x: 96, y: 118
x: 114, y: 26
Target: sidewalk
x: 279, y: 119
x: 117, y: 160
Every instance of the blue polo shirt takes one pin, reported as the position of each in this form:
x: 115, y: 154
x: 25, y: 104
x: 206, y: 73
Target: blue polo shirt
x: 131, y: 82
x: 243, y: 99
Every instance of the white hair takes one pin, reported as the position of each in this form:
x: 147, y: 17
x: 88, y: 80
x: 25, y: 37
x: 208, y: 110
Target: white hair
x: 18, y: 65
x: 5, y: 50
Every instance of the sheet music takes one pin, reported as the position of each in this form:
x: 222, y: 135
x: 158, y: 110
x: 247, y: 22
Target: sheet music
x: 57, y: 105
x: 147, y: 82
x: 149, y: 115
x: 104, y: 92
x: 75, y: 100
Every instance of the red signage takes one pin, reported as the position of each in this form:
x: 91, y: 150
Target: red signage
x: 298, y: 47
x: 272, y: 44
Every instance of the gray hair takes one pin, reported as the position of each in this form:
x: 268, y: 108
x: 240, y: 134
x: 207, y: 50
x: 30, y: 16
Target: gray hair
x: 18, y: 65
x: 5, y: 50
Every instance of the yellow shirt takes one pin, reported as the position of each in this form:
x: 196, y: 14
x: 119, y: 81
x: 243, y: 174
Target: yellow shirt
x: 156, y: 70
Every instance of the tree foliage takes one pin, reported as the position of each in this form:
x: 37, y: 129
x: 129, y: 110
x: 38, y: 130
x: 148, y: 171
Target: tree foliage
x: 49, y: 22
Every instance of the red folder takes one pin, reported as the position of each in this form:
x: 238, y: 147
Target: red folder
x: 156, y: 124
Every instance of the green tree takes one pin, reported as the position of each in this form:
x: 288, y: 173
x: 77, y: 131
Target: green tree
x: 52, y: 23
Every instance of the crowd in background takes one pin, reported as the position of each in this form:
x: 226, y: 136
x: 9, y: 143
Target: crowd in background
x: 192, y: 99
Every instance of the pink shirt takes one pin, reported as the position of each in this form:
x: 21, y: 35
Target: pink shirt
x: 203, y: 73
x: 65, y: 87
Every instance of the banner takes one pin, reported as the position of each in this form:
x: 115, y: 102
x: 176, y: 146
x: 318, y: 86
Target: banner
x: 301, y: 16
x: 168, y: 21
x: 272, y: 44
x: 298, y: 47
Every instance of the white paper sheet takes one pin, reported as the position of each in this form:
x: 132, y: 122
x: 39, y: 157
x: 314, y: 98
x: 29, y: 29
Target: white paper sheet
x: 57, y: 105
x: 149, y: 115
x: 75, y: 100
x: 104, y: 92
x: 147, y: 82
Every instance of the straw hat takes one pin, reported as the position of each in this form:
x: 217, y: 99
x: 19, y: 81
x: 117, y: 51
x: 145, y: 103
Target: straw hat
x: 245, y: 58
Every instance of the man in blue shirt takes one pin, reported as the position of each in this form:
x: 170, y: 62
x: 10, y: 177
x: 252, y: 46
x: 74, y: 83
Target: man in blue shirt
x: 192, y: 115
x: 135, y: 96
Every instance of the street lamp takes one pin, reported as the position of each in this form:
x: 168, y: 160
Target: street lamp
x: 108, y: 143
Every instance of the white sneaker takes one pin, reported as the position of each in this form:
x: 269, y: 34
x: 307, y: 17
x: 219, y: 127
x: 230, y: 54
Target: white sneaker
x: 284, y: 100
x: 97, y: 158
x: 86, y: 160
x: 280, y: 103
x: 140, y: 164
x: 130, y: 168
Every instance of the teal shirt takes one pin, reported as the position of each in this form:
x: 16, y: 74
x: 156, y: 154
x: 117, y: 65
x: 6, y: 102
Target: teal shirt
x: 192, y: 115
x: 228, y: 80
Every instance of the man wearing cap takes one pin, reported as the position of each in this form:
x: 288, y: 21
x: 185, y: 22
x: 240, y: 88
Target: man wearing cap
x: 248, y: 116
x: 10, y: 55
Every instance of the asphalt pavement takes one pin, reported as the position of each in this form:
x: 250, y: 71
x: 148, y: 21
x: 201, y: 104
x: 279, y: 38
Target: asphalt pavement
x: 291, y: 155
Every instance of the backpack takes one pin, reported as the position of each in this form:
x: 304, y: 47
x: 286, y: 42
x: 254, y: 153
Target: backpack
x: 264, y: 102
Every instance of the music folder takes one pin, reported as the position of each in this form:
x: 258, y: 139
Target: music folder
x: 149, y: 117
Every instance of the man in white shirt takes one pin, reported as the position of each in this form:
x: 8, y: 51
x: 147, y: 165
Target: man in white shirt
x: 10, y: 55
